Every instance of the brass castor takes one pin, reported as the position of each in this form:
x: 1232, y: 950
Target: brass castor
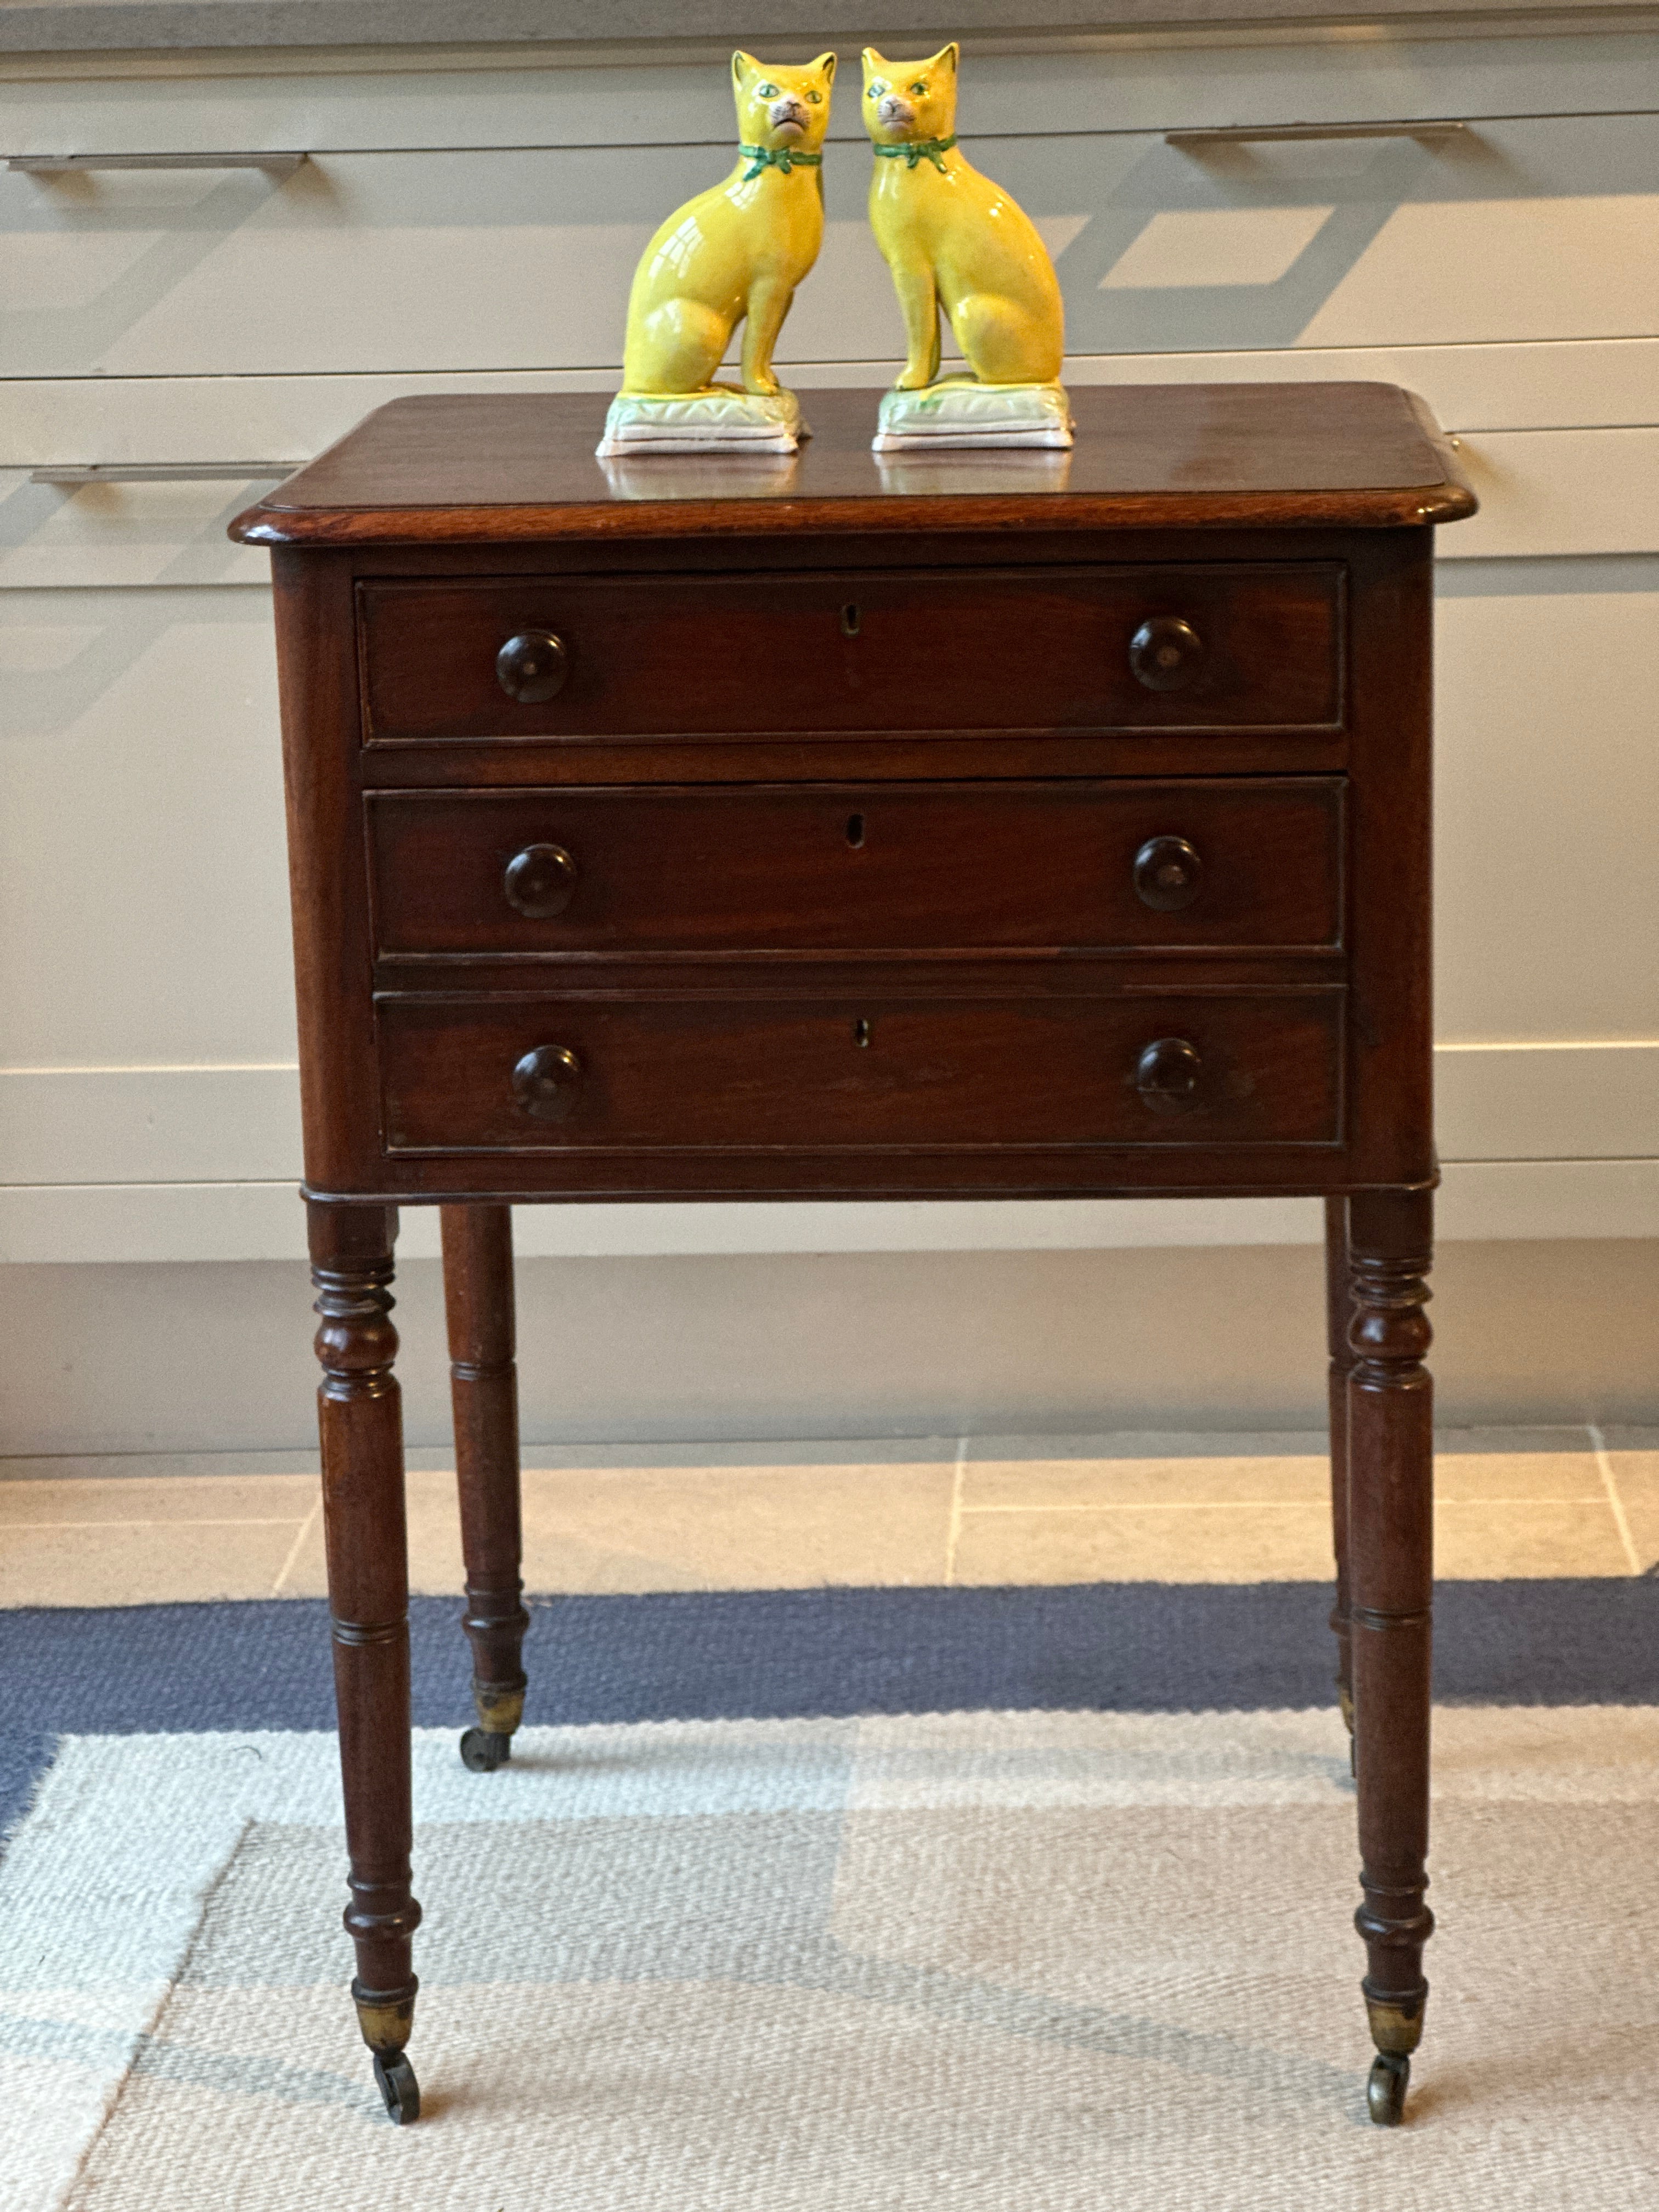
x: 484, y: 1751
x: 1385, y: 2093
x: 395, y: 2079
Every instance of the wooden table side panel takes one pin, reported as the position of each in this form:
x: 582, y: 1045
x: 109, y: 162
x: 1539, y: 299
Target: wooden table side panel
x: 317, y: 670
x: 1390, y: 1030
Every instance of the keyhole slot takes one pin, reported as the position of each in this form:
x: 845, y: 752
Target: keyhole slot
x: 861, y: 1032
x: 855, y: 831
x: 849, y: 621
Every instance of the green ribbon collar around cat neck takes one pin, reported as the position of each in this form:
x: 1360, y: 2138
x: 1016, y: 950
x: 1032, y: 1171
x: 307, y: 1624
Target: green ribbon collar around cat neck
x: 777, y: 157
x: 912, y: 151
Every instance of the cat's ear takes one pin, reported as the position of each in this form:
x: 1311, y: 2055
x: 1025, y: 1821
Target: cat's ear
x: 744, y: 67
x: 946, y: 58
x: 825, y: 66
x: 875, y: 65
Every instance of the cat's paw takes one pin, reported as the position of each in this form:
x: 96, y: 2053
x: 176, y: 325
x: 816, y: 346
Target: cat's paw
x: 914, y: 379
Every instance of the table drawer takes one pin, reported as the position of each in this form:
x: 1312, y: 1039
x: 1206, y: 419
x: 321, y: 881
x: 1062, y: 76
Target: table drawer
x: 854, y: 654
x: 1245, y: 861
x: 545, y: 1074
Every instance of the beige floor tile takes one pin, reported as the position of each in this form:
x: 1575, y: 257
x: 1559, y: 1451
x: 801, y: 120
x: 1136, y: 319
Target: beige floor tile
x: 435, y: 1566
x: 769, y: 1456
x: 1643, y: 1523
x: 1637, y: 1487
x: 1546, y: 1477
x: 1635, y: 1476
x: 154, y: 1562
x: 135, y: 1498
x: 1195, y: 1544
x: 747, y: 1528
x: 435, y: 1541
x: 1481, y: 1541
x: 1026, y: 1485
x: 619, y: 1528
x: 1636, y: 1480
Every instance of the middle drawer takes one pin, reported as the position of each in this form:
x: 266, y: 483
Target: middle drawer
x: 1245, y: 861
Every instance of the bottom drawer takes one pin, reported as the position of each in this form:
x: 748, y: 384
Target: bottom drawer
x: 545, y: 1073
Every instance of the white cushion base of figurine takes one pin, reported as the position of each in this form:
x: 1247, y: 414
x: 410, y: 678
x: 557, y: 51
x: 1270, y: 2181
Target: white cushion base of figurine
x: 959, y: 411
x: 725, y: 419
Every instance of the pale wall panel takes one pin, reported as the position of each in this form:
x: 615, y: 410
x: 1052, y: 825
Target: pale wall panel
x: 1568, y: 384
x: 1548, y: 1101
x: 1440, y: 270
x: 92, y: 1126
x: 414, y: 100
x: 143, y: 896
x: 1543, y: 494
x: 67, y: 538
x: 1490, y: 274
x: 489, y: 260
x: 1480, y: 1201
x: 114, y: 697
x: 1547, y: 797
x: 838, y: 1345
x: 1554, y: 492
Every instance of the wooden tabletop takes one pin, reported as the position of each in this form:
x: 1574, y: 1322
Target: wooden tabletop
x: 521, y: 466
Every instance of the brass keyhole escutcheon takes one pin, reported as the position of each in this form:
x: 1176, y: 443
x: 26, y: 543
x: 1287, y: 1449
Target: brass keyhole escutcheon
x: 855, y: 831
x: 860, y: 1032
x: 849, y: 621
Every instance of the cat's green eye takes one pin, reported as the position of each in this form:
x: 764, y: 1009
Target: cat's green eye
x: 920, y: 85
x: 816, y: 99
x: 877, y: 87
x: 768, y: 91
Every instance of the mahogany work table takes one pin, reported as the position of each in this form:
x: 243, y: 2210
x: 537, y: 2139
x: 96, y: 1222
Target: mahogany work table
x: 967, y: 824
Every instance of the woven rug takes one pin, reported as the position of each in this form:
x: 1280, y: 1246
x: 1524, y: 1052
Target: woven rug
x: 1030, y: 1958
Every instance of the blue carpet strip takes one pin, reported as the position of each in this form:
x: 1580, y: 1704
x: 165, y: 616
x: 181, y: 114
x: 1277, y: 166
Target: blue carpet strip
x: 1125, y: 1647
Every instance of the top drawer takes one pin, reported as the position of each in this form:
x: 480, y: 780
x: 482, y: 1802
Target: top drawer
x: 856, y: 654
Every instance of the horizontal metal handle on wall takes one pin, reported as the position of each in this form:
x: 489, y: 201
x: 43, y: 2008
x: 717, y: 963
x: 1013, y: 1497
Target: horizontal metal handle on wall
x: 90, y: 472
x: 1252, y: 134
x: 276, y: 164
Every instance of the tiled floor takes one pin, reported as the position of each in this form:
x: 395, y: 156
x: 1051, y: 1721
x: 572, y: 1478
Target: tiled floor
x: 978, y: 1509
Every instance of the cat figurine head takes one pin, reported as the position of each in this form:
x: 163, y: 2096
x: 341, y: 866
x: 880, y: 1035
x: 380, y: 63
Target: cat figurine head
x: 780, y: 108
x: 905, y: 102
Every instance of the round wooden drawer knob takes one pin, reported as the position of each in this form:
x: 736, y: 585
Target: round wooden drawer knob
x: 1167, y: 1075
x: 540, y: 882
x: 1165, y: 653
x: 547, y: 1083
x: 1168, y: 874
x: 533, y: 666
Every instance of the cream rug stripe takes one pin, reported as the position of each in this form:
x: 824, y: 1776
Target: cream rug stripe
x: 1026, y: 1960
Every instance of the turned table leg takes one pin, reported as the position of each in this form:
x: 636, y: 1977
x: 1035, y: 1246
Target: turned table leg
x: 360, y: 1422
x: 484, y: 1381
x: 1390, y: 1536
x: 1342, y: 1359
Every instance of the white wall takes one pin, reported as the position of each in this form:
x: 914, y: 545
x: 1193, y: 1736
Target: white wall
x: 462, y: 228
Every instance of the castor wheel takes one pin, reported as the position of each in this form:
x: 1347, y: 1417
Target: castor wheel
x: 395, y: 2078
x: 1385, y: 2093
x: 484, y: 1751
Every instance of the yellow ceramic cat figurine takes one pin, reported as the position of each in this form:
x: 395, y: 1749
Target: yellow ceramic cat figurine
x: 954, y: 239
x: 735, y: 253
